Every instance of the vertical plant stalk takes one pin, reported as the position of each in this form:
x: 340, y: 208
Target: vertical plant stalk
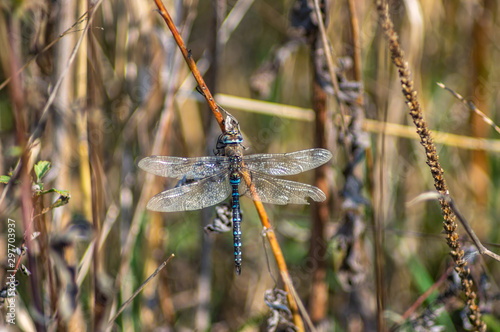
x: 416, y: 114
x: 319, y: 292
x: 318, y: 43
x: 318, y: 302
x: 377, y: 224
x: 81, y: 118
x: 378, y: 234
x: 40, y: 224
x: 95, y: 138
x: 61, y: 133
x: 20, y: 118
x: 479, y: 169
x: 278, y: 254
x: 356, y: 44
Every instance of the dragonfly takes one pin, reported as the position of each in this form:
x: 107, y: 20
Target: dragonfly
x: 210, y: 180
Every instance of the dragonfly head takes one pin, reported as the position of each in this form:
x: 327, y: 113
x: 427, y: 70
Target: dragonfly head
x: 232, y: 134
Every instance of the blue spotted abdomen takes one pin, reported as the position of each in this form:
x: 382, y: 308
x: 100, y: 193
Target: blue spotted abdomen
x: 235, y: 182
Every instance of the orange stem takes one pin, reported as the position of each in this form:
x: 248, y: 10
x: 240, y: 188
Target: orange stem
x: 278, y: 254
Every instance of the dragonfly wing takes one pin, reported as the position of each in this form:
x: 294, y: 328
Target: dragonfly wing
x: 190, y: 168
x: 193, y: 196
x: 287, y: 163
x: 278, y: 191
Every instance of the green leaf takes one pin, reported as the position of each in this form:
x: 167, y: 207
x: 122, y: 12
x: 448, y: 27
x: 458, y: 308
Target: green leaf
x: 4, y: 179
x: 63, y: 198
x: 64, y: 195
x: 54, y: 190
x: 41, y: 169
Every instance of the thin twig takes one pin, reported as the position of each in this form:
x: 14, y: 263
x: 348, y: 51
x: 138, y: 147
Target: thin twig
x: 45, y: 49
x: 302, y: 308
x: 122, y: 307
x: 480, y: 247
x: 426, y: 294
x: 469, y: 104
x: 329, y: 61
x: 231, y: 22
x: 85, y: 261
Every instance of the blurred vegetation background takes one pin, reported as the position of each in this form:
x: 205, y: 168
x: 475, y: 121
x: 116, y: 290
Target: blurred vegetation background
x: 93, y: 102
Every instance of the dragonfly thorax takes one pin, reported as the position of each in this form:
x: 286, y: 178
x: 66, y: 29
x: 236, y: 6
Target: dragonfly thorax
x: 232, y: 139
x: 235, y: 164
x: 227, y: 141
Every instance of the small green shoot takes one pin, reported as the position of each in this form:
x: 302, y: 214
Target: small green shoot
x: 4, y: 179
x: 41, y: 169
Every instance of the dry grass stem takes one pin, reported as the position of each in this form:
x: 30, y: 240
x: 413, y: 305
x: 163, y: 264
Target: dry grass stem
x: 432, y: 196
x: 417, y: 116
x: 471, y: 106
x: 127, y: 302
x: 372, y: 126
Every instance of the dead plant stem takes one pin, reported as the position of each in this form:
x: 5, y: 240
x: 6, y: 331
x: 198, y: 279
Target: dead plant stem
x: 416, y: 113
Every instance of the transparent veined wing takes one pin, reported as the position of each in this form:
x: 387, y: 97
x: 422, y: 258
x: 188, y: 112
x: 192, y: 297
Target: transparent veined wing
x: 190, y: 168
x: 197, y: 195
x: 278, y: 191
x: 287, y: 163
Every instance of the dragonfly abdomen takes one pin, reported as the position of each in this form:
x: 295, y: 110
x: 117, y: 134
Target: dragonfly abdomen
x: 235, y: 182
